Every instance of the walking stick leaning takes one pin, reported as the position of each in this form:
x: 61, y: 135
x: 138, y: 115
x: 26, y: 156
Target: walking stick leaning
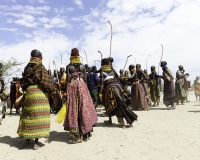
x: 101, y: 55
x: 159, y: 80
x: 86, y: 57
x: 161, y: 57
x: 61, y: 58
x: 49, y: 64
x: 110, y: 37
x: 126, y: 61
x: 146, y: 61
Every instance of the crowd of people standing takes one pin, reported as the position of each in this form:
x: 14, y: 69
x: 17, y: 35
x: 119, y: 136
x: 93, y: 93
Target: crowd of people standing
x: 82, y: 88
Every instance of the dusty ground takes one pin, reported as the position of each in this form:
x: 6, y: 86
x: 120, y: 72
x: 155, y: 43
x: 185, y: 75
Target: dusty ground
x: 158, y: 134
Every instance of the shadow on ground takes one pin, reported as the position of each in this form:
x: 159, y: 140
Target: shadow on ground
x: 151, y: 108
x: 18, y: 143
x: 58, y: 136
x: 195, y: 111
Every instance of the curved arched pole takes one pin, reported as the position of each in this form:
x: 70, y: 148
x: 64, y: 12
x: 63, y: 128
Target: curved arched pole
x: 101, y: 55
x: 161, y: 57
x: 49, y: 63
x: 126, y: 61
x: 135, y: 61
x: 61, y: 59
x: 86, y: 57
x: 146, y: 61
x: 95, y: 61
x: 110, y: 37
x: 54, y: 63
x: 81, y: 58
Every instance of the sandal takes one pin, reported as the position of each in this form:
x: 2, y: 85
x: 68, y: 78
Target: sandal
x: 107, y: 122
x: 74, y: 139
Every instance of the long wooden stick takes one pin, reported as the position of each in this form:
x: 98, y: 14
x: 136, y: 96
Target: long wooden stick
x: 49, y: 64
x: 110, y: 38
x: 146, y: 61
x: 161, y: 57
x: 86, y: 57
x: 126, y: 61
x: 61, y: 58
x: 101, y: 55
x: 95, y: 61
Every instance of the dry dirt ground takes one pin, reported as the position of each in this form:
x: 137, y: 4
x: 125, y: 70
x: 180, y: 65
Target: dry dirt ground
x: 159, y: 134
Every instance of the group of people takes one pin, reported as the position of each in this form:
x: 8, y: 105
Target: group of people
x: 3, y: 97
x: 81, y: 88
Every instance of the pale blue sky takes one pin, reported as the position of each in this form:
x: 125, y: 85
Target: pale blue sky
x: 139, y: 27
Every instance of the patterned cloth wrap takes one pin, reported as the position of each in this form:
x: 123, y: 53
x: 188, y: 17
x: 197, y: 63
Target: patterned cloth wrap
x: 35, y: 117
x: 94, y: 95
x: 39, y: 75
x: 79, y: 106
x: 115, y: 103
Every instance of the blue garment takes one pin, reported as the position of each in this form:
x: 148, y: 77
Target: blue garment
x: 164, y: 68
x: 92, y: 80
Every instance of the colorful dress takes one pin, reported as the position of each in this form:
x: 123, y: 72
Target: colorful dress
x: 113, y: 98
x: 138, y: 94
x: 197, y: 87
x: 81, y: 114
x: 35, y: 117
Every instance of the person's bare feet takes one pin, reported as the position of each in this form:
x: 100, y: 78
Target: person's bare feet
x: 36, y: 146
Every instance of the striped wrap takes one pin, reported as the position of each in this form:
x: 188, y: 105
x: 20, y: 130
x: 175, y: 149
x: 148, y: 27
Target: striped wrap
x: 35, y: 118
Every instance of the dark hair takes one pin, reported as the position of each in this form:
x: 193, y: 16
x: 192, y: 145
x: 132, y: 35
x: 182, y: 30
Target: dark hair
x: 121, y: 71
x: 110, y: 59
x: 74, y: 52
x: 104, y: 61
x: 163, y: 63
x: 125, y: 72
x: 93, y: 68
x: 49, y: 72
x: 138, y: 65
x: 36, y: 53
x: 153, y: 68
x: 131, y: 67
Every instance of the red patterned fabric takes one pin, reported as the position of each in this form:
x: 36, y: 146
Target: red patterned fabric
x: 84, y: 111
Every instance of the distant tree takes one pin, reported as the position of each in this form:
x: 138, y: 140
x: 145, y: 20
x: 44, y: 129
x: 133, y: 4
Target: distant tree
x: 10, y: 68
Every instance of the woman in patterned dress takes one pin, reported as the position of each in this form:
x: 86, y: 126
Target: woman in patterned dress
x: 81, y: 114
x: 35, y: 117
